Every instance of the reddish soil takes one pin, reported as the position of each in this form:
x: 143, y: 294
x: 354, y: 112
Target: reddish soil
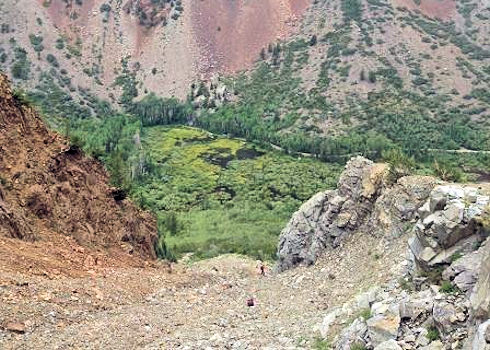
x: 442, y: 9
x: 230, y: 34
x: 215, y: 36
x: 57, y: 212
x: 62, y: 14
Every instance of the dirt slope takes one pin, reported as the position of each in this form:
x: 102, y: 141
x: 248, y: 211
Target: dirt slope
x: 197, y: 306
x: 441, y: 9
x: 230, y: 34
x: 57, y: 212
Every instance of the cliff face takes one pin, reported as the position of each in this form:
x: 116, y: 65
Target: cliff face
x: 58, y: 200
x: 366, y: 199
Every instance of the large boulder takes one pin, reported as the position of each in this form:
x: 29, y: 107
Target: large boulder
x: 482, y: 337
x: 448, y: 316
x: 480, y: 298
x: 465, y: 270
x: 447, y: 227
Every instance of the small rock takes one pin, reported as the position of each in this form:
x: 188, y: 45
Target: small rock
x: 422, y: 339
x: 328, y: 320
x: 383, y: 327
x: 435, y: 345
x: 388, y: 345
x: 444, y: 315
x: 15, y: 327
x: 410, y: 338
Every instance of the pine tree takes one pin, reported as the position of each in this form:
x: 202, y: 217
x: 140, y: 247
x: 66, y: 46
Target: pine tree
x: 313, y: 40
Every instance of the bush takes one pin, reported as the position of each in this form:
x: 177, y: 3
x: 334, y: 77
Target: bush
x: 366, y: 314
x: 456, y: 256
x: 52, y: 60
x: 22, y: 97
x: 162, y: 250
x: 60, y: 43
x: 400, y: 163
x: 313, y: 40
x: 372, y: 77
x: 358, y: 346
x: 36, y: 42
x: 448, y: 288
x: 432, y: 333
x: 447, y: 171
x: 320, y: 344
x: 22, y: 66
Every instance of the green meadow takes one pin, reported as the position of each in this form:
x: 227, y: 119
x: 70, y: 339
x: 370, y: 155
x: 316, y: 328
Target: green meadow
x: 216, y: 195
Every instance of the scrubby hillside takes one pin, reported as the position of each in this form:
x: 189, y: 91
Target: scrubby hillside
x: 57, y: 210
x: 366, y: 76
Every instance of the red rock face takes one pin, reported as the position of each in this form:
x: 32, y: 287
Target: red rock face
x: 231, y: 33
x: 442, y: 9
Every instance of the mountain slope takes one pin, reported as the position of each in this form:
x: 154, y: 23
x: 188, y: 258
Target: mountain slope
x: 365, y: 76
x: 168, y: 44
x: 56, y: 208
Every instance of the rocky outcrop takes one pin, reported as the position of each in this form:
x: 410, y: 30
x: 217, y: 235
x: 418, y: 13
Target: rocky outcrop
x: 397, y: 207
x: 366, y: 198
x: 397, y: 318
x: 442, y: 301
x: 448, y: 228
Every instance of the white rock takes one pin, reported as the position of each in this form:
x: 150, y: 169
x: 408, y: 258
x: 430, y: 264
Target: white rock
x: 328, y: 320
x: 388, y: 345
x: 479, y: 342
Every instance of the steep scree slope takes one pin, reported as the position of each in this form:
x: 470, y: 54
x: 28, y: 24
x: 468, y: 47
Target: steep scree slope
x: 59, y: 201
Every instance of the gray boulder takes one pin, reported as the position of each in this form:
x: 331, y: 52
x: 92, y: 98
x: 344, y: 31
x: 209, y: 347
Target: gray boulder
x: 384, y: 324
x: 482, y: 337
x: 388, y: 345
x: 464, y: 271
x: 354, y: 334
x: 448, y: 316
x: 397, y: 208
x: 480, y: 298
x: 448, y: 226
x: 417, y: 305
